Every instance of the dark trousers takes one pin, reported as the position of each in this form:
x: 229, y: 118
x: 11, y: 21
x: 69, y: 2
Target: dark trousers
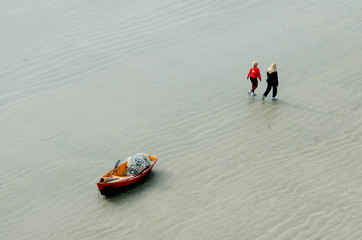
x: 254, y: 83
x: 275, y: 90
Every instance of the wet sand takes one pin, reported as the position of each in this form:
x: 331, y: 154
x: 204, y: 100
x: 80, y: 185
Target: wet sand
x: 86, y: 83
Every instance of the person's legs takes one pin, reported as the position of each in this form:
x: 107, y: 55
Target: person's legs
x: 254, y: 83
x: 275, y: 91
x: 267, y: 90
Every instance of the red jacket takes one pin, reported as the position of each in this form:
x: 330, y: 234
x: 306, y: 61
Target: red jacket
x: 254, y: 73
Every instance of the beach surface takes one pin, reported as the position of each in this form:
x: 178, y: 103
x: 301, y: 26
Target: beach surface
x: 85, y: 83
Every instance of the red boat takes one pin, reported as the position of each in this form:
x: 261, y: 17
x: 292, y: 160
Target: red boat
x: 118, y: 179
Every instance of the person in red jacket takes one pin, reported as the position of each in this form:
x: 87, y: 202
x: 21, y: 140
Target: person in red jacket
x: 254, y: 74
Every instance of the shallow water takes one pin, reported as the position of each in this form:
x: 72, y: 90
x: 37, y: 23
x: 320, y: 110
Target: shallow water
x: 86, y: 83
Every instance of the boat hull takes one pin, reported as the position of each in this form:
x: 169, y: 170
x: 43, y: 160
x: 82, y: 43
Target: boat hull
x: 114, y: 189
